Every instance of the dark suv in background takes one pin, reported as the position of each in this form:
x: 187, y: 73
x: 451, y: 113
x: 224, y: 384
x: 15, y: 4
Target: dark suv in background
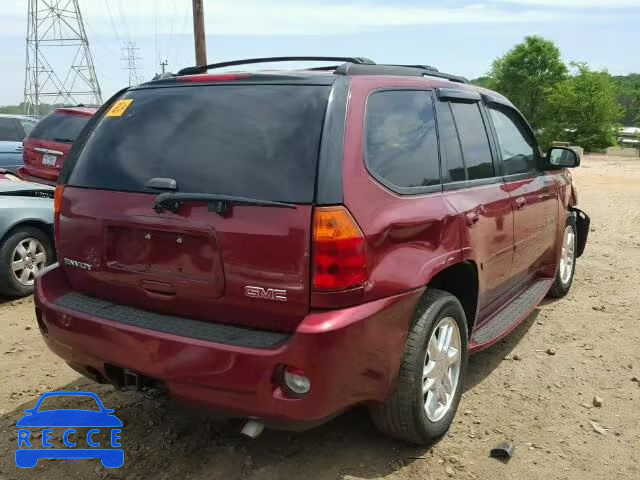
x: 13, y: 130
x: 284, y: 245
x: 47, y: 146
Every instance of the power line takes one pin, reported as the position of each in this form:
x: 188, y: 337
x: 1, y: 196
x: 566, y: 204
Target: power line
x: 113, y: 24
x: 155, y: 26
x: 183, y: 32
x: 171, y: 30
x: 123, y: 18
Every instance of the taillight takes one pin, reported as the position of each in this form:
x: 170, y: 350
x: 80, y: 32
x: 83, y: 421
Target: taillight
x: 339, y: 261
x: 57, y: 208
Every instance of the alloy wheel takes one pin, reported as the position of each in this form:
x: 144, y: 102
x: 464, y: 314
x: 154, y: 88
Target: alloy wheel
x: 568, y: 255
x: 441, y: 369
x: 28, y: 258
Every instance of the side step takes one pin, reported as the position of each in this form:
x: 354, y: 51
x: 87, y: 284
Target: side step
x: 509, y: 317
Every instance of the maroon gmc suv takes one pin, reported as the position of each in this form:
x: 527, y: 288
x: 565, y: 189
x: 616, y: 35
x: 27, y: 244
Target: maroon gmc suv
x: 284, y: 245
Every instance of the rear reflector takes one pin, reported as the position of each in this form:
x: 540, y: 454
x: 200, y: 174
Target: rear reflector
x: 57, y: 199
x: 338, y: 249
x: 57, y: 208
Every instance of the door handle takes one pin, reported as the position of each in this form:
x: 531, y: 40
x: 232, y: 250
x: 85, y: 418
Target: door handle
x: 472, y: 218
x: 17, y: 149
x: 521, y: 202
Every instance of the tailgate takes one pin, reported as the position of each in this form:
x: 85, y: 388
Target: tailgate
x: 250, y: 268
x: 247, y: 266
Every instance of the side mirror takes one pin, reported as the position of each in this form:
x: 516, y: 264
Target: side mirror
x: 560, y: 157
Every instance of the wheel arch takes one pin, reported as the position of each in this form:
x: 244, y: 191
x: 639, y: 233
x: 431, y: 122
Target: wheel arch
x: 36, y: 223
x: 460, y: 280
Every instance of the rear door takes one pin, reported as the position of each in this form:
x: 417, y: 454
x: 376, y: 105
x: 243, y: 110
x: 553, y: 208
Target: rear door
x: 249, y: 266
x: 534, y: 194
x: 474, y: 188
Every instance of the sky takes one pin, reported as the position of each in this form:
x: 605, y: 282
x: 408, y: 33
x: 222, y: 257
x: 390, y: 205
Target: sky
x: 457, y: 36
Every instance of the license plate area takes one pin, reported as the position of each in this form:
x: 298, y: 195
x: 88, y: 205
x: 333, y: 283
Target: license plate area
x: 49, y: 159
x: 165, y: 253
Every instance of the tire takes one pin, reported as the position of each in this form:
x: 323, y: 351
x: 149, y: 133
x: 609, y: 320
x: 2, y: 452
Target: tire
x: 10, y: 285
x: 403, y: 415
x: 563, y: 281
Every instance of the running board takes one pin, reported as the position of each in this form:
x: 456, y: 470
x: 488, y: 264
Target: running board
x: 509, y: 317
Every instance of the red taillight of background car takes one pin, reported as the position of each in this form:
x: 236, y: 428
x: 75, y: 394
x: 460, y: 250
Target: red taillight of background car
x: 339, y: 260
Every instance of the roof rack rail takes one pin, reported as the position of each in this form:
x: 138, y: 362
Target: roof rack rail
x: 403, y: 70
x: 249, y: 61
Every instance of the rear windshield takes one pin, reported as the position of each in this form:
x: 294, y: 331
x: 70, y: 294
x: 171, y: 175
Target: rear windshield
x: 256, y: 141
x: 58, y: 127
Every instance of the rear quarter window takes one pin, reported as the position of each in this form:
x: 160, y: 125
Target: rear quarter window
x: 401, y: 139
x: 256, y: 141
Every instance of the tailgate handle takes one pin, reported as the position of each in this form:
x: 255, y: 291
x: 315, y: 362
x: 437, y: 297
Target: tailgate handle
x: 158, y: 288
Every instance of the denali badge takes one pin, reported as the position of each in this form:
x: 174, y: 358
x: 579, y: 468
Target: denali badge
x: 77, y: 264
x: 266, y: 293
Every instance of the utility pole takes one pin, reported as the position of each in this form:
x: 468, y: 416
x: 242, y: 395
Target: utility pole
x: 129, y: 56
x: 198, y: 32
x: 56, y: 36
x: 163, y: 65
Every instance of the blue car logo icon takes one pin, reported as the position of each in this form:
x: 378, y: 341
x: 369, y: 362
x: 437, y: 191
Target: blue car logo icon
x: 28, y: 452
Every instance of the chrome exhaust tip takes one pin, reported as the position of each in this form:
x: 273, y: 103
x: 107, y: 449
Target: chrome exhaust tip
x: 252, y: 429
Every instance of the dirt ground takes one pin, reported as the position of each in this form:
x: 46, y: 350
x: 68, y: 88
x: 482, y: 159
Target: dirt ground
x: 515, y: 391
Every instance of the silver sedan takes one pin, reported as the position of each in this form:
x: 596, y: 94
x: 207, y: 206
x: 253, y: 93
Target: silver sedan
x: 26, y: 233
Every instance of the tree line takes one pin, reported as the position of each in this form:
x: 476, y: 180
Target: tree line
x: 569, y: 103
x: 43, y: 109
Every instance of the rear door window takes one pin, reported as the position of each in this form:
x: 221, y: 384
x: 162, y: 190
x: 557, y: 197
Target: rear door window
x: 452, y: 162
x: 401, y: 139
x: 58, y: 127
x: 474, y: 140
x: 9, y: 130
x: 256, y: 141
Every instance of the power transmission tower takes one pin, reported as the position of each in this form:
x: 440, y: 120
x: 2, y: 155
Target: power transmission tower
x: 59, y: 66
x: 130, y: 57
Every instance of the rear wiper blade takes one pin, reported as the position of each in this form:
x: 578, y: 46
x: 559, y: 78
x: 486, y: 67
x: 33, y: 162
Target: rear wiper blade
x: 64, y: 140
x: 217, y: 203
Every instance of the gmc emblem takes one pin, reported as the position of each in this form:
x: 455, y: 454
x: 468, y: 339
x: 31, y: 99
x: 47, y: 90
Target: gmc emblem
x: 266, y: 293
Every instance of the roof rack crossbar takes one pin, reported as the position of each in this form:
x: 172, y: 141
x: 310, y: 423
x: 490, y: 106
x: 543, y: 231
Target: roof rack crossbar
x: 249, y: 61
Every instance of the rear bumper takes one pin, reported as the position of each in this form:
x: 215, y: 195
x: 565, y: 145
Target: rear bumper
x: 351, y: 356
x: 31, y: 177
